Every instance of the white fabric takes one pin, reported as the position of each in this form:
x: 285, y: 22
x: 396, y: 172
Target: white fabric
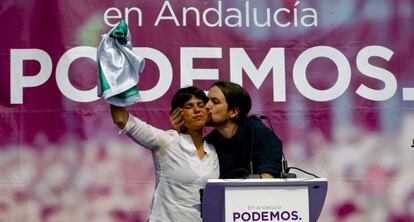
x: 121, y: 68
x: 180, y: 173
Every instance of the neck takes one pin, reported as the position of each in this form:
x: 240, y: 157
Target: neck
x: 197, y: 137
x: 228, y: 130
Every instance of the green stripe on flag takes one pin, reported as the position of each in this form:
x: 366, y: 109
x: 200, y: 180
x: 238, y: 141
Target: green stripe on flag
x: 104, y: 83
x: 130, y: 92
x: 120, y: 32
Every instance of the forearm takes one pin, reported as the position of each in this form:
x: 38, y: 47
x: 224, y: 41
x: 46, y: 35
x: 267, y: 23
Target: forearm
x: 138, y: 130
x: 119, y: 116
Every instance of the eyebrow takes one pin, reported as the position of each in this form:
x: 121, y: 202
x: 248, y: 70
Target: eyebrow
x: 191, y: 103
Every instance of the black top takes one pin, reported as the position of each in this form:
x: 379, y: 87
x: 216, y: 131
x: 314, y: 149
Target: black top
x: 253, y: 143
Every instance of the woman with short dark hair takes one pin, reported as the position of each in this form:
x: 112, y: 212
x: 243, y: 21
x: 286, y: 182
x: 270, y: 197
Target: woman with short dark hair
x: 184, y: 161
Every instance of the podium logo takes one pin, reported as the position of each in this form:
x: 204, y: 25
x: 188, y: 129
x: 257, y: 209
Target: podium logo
x: 266, y: 216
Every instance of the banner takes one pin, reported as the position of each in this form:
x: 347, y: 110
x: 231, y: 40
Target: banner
x: 335, y: 79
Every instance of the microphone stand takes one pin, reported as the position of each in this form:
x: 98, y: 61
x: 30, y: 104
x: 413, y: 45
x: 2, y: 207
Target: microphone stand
x: 285, y: 168
x: 251, y: 174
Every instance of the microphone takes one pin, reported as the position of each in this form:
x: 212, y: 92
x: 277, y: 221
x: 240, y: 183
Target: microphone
x: 285, y: 168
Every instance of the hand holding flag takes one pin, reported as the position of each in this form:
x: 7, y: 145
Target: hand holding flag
x: 118, y: 67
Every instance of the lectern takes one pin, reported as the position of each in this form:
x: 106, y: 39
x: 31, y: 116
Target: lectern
x: 241, y: 200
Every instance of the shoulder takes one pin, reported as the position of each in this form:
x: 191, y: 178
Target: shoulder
x: 212, y: 137
x: 255, y: 126
x: 175, y: 135
x: 173, y: 132
x: 209, y: 147
x: 252, y: 124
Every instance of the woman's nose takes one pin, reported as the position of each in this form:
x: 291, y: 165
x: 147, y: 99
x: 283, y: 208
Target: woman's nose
x: 196, y: 109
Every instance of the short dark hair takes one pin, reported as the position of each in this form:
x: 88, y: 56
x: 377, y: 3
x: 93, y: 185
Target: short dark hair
x: 235, y: 96
x: 184, y: 94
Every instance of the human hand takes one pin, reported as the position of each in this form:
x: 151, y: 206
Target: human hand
x: 266, y: 176
x: 176, y: 119
x: 119, y: 116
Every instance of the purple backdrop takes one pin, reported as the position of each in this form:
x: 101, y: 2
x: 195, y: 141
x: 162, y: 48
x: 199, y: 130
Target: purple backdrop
x: 335, y: 78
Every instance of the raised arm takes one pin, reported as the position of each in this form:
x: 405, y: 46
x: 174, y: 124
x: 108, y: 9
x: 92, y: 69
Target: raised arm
x: 148, y: 136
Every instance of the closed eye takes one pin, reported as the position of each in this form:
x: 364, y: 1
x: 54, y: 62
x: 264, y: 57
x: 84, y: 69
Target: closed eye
x: 188, y: 106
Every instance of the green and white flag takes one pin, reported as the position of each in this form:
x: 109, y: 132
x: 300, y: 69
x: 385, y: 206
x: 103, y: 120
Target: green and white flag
x: 118, y: 67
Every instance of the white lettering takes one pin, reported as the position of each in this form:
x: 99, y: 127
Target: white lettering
x: 139, y: 15
x: 117, y: 15
x: 165, y: 74
x: 62, y: 74
x: 188, y: 72
x: 172, y: 16
x: 267, y: 18
x: 408, y: 94
x: 302, y: 84
x: 239, y: 64
x: 196, y: 13
x: 237, y: 17
x: 276, y: 17
x: 217, y: 16
x: 312, y: 17
x: 18, y: 81
x: 384, y: 75
x: 217, y: 13
x: 275, y: 60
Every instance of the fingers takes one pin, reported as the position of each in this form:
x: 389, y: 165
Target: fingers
x: 176, y: 119
x: 119, y: 116
x: 175, y: 116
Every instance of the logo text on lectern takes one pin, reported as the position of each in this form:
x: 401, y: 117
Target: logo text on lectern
x: 266, y: 216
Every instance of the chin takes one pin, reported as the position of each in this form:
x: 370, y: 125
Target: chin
x: 196, y: 127
x: 212, y: 122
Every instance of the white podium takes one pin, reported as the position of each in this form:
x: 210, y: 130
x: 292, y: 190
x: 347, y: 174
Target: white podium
x: 241, y: 200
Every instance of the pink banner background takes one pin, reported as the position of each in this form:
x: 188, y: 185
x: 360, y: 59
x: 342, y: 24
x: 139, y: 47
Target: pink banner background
x: 63, y: 160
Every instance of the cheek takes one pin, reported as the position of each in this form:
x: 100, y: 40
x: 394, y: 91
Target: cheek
x: 219, y: 109
x: 204, y: 111
x: 186, y: 115
x: 213, y: 108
